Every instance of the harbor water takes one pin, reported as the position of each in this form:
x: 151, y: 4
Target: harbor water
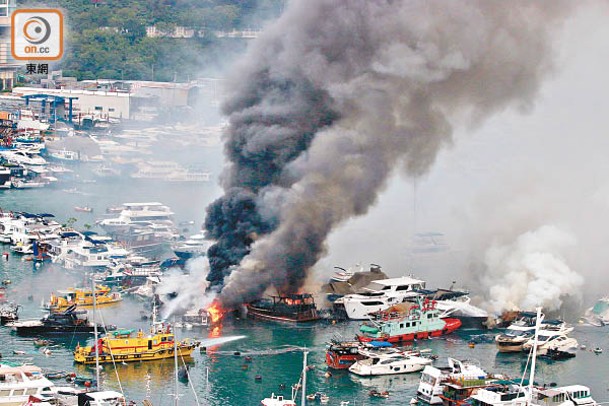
x: 269, y: 359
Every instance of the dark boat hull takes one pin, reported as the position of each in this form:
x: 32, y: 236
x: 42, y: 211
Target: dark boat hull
x: 270, y: 315
x: 44, y: 330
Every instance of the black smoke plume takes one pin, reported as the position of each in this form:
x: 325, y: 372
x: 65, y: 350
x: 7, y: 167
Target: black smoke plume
x: 335, y: 96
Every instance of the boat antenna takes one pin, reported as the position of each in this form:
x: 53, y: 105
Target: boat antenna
x: 534, y: 356
x: 95, y: 333
x: 303, y: 399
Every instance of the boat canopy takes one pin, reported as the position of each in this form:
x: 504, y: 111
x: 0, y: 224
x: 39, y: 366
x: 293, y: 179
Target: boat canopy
x: 380, y: 344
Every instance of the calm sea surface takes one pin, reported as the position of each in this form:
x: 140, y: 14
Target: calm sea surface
x: 219, y: 377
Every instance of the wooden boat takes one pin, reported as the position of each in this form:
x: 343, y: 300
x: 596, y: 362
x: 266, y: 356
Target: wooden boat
x: 83, y: 298
x: 128, y: 345
x: 406, y: 322
x: 289, y: 308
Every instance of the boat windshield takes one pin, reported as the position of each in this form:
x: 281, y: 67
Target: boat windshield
x: 374, y: 286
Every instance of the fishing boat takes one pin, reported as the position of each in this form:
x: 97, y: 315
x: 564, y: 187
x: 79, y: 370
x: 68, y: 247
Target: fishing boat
x: 288, y: 308
x: 419, y: 319
x: 390, y: 364
x: 130, y: 346
x: 82, y: 297
x: 71, y: 321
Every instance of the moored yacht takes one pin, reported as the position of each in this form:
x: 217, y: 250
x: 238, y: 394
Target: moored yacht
x: 551, y: 341
x: 523, y: 328
x: 18, y: 383
x: 196, y: 245
x: 389, y: 364
x: 153, y: 212
x: 518, y: 333
x: 379, y: 295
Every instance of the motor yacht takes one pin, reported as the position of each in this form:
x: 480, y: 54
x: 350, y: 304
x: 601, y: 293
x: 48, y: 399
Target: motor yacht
x: 389, y: 364
x: 196, y: 245
x: 550, y: 340
x: 379, y: 295
x: 523, y: 329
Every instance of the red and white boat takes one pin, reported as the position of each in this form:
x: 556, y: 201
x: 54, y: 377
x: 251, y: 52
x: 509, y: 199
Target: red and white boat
x: 417, y: 319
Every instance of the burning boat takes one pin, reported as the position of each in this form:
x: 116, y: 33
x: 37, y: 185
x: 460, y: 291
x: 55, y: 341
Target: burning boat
x: 289, y: 308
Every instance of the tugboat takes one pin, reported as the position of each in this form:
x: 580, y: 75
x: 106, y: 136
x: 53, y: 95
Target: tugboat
x: 406, y: 322
x: 69, y: 321
x: 128, y: 346
x: 290, y: 308
x: 83, y: 298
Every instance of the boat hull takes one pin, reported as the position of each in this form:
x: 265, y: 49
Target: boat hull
x: 363, y: 370
x: 268, y: 315
x: 44, y: 330
x: 104, y: 358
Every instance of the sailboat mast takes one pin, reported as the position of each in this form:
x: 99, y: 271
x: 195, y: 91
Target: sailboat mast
x: 175, y: 358
x: 95, y: 333
x: 534, y: 356
x: 303, y: 399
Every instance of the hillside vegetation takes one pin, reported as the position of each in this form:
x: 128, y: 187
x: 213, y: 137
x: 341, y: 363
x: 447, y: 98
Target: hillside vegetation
x: 107, y: 38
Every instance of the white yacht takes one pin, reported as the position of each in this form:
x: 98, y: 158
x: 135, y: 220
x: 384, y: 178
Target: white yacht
x: 518, y: 333
x: 20, y: 382
x: 433, y: 379
x: 169, y: 171
x: 389, y: 364
x: 523, y: 329
x: 196, y: 245
x: 516, y: 395
x: 343, y: 275
x: 379, y: 295
x: 23, y: 157
x: 550, y: 340
x: 29, y: 228
x: 87, y: 251
x: 131, y: 213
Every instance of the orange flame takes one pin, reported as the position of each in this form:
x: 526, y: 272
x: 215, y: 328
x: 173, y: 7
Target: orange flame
x: 215, y: 312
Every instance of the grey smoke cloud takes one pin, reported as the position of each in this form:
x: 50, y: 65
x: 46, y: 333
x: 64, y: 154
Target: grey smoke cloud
x: 393, y: 79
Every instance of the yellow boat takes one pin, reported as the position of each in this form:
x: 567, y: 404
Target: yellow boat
x: 83, y: 298
x: 126, y: 346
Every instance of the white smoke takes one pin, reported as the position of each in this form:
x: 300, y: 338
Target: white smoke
x: 188, y: 288
x: 531, y: 271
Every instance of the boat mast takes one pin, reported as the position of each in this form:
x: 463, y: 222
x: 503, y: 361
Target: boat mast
x: 95, y: 333
x: 303, y: 398
x: 534, y: 355
x: 175, y: 359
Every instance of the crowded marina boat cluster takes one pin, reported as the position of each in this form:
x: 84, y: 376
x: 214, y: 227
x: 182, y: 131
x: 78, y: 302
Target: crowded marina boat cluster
x: 392, y: 318
x: 35, y: 153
